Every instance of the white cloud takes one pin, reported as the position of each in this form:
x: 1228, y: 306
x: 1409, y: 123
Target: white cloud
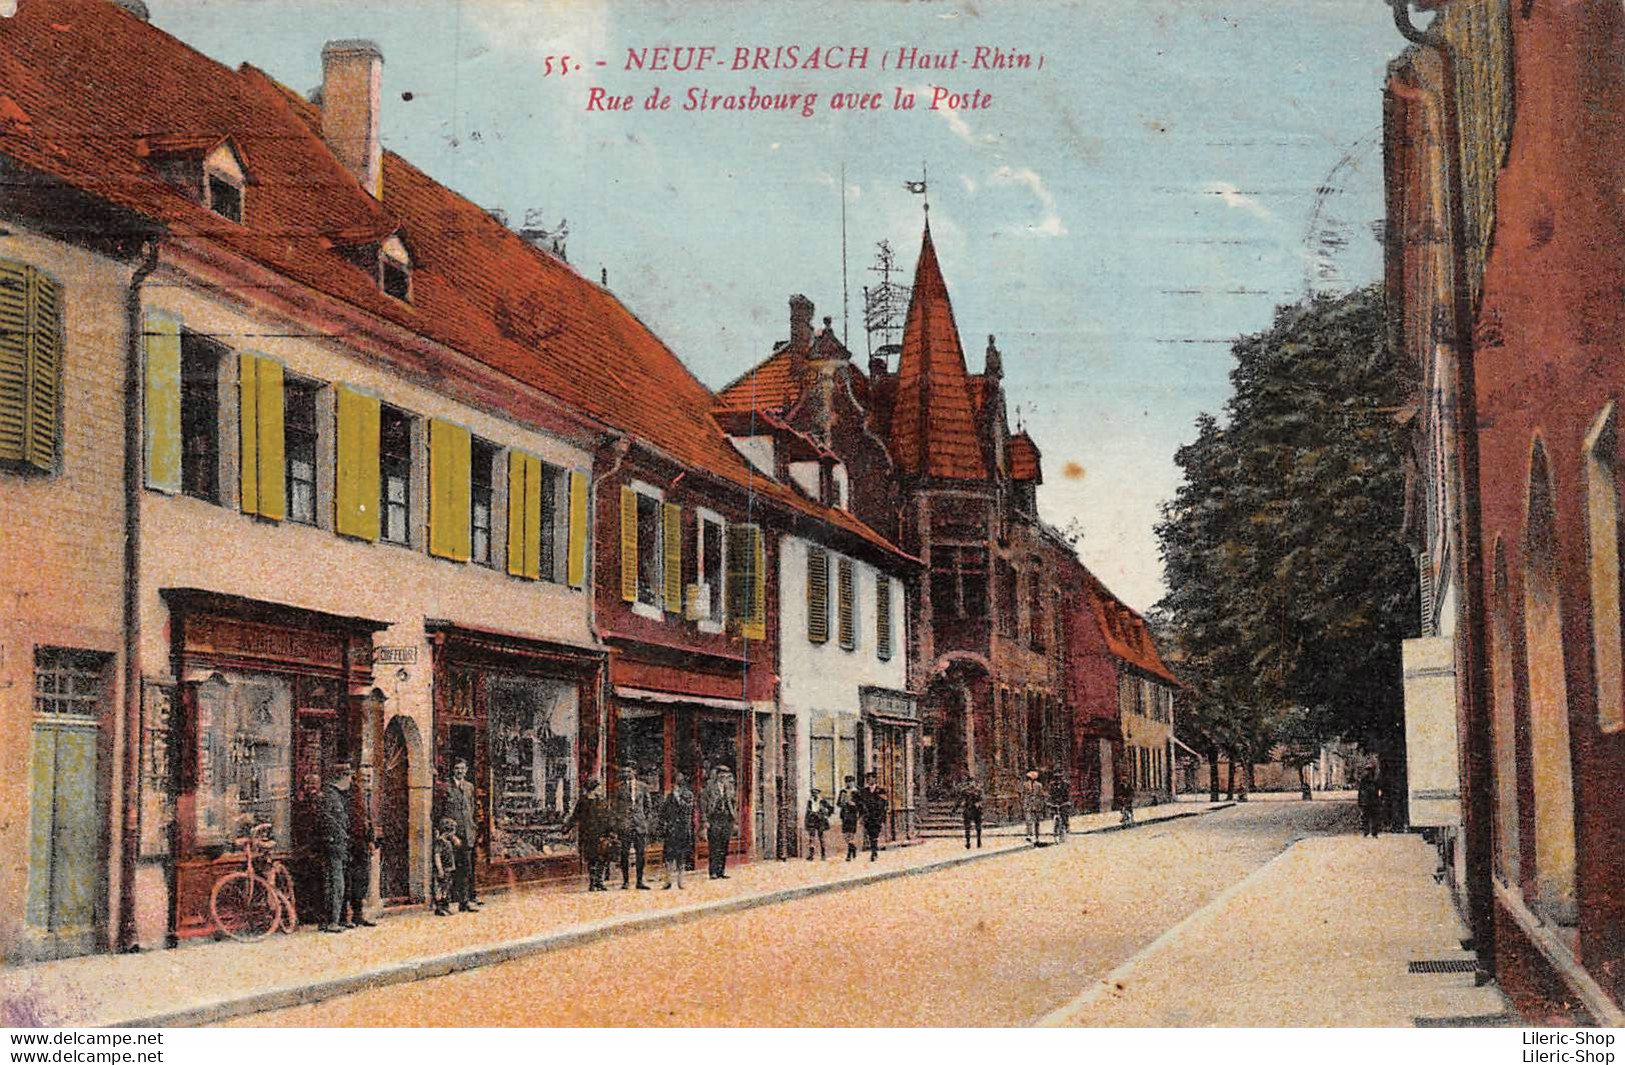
x: 1234, y: 197
x: 1025, y: 177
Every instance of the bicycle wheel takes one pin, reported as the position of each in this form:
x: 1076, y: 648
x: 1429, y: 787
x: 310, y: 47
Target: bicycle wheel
x: 244, y: 907
x: 282, y: 880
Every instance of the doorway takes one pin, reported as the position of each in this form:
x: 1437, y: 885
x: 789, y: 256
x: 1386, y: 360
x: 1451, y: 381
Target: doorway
x: 395, y: 815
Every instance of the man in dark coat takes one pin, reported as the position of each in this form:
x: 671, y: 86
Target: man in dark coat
x: 457, y: 803
x: 589, y: 818
x: 677, y: 829
x: 333, y: 844
x: 872, y: 806
x: 358, y: 869
x: 847, y: 803
x: 968, y: 799
x: 721, y: 813
x: 630, y: 813
x: 1370, y: 799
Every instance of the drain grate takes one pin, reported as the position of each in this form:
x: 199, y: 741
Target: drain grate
x: 1444, y: 965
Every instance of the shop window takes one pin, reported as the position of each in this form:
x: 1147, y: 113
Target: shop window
x: 395, y: 475
x: 200, y: 416
x: 299, y: 443
x: 482, y: 462
x: 244, y: 728
x: 531, y: 728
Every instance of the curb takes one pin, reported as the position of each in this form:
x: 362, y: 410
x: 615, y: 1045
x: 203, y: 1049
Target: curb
x: 412, y: 970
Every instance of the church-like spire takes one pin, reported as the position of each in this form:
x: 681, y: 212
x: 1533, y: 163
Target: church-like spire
x: 933, y: 429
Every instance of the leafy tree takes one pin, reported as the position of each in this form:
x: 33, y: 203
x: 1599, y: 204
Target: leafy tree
x: 1289, y: 589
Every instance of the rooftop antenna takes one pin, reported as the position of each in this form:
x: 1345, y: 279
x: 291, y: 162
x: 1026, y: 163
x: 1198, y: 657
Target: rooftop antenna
x: 885, y: 304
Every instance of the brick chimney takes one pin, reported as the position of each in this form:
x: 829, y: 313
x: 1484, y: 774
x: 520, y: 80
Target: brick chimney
x: 352, y: 87
x: 801, y: 337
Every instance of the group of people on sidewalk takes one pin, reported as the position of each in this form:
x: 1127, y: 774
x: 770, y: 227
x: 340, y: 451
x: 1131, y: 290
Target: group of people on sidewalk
x: 867, y: 806
x: 623, y: 825
x: 344, y: 840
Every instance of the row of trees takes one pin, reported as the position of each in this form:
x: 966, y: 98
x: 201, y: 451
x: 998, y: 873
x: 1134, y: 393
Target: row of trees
x: 1290, y: 589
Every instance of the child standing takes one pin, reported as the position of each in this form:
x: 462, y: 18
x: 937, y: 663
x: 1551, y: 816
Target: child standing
x: 445, y: 863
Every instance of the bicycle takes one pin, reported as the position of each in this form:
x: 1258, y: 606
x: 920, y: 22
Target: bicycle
x: 251, y: 903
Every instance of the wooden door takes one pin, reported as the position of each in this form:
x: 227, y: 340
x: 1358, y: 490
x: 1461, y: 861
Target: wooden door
x: 394, y: 816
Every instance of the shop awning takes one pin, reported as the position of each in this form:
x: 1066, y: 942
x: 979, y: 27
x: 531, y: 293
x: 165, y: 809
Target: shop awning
x: 644, y: 695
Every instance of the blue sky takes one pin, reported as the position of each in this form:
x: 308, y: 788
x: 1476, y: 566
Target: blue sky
x: 1113, y: 217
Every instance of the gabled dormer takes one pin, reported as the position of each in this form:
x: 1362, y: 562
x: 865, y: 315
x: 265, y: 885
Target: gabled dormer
x: 208, y: 169
x: 388, y: 262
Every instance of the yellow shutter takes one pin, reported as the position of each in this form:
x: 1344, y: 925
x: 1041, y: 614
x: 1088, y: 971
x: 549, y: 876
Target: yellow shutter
x: 516, y: 513
x: 756, y: 627
x: 272, y: 464
x: 450, y: 498
x: 817, y: 595
x: 533, y: 518
x: 15, y: 359
x: 673, y: 560
x: 248, y: 419
x: 629, y: 544
x: 355, y: 511
x: 45, y: 370
x: 163, y: 403
x: 578, y: 530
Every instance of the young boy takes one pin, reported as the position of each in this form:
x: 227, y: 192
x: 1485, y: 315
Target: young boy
x: 445, y: 863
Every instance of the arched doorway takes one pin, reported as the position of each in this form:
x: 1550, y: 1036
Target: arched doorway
x: 943, y: 739
x: 1548, y: 702
x: 401, y: 751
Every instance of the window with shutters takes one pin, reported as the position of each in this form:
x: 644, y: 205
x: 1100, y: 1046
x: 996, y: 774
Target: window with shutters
x: 548, y: 554
x: 200, y: 416
x: 649, y: 544
x: 395, y: 476
x: 747, y: 587
x: 482, y: 466
x: 817, y: 595
x: 642, y: 545
x: 30, y: 367
x: 883, y: 622
x: 846, y: 606
x: 537, y: 499
x: 299, y: 444
x: 709, y: 571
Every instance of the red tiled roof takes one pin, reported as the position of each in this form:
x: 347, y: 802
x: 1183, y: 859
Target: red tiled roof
x: 767, y: 386
x: 933, y: 429
x: 92, y: 82
x: 1127, y: 635
x: 1024, y: 459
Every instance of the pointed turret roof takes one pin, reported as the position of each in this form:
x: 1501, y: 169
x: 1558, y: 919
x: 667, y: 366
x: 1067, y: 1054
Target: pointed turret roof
x: 933, y: 429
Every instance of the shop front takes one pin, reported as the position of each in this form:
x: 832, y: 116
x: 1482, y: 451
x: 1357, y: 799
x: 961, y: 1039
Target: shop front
x: 523, y: 716
x: 891, y: 750
x: 271, y: 699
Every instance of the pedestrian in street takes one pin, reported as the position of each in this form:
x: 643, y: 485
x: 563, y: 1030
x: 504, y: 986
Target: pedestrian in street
x: 588, y: 818
x: 1370, y: 801
x: 1060, y: 802
x: 1125, y: 800
x: 816, y: 823
x: 333, y: 843
x: 968, y: 801
x: 457, y: 803
x: 872, y: 807
x: 630, y: 815
x: 445, y: 865
x: 721, y: 812
x: 1032, y: 803
x: 847, y: 803
x: 358, y: 869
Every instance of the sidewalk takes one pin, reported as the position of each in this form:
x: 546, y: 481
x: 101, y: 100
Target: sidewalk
x: 208, y: 982
x: 1322, y: 936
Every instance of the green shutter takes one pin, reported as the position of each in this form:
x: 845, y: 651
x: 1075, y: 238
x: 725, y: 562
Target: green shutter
x: 15, y: 340
x: 845, y: 594
x: 882, y: 617
x: 629, y: 544
x: 162, y: 382
x: 44, y: 384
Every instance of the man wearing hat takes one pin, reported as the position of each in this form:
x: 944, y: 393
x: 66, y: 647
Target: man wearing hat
x: 588, y: 818
x: 458, y: 804
x: 1032, y: 803
x: 358, y: 869
x: 721, y: 811
x: 629, y: 812
x: 333, y: 844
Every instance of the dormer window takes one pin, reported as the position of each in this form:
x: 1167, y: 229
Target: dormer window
x: 223, y: 181
x: 395, y: 269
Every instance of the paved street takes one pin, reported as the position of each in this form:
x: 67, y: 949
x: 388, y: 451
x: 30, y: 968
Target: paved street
x: 1010, y: 940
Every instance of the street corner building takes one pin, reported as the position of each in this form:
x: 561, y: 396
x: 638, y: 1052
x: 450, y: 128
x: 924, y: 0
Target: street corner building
x: 320, y: 464
x: 1503, y: 165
